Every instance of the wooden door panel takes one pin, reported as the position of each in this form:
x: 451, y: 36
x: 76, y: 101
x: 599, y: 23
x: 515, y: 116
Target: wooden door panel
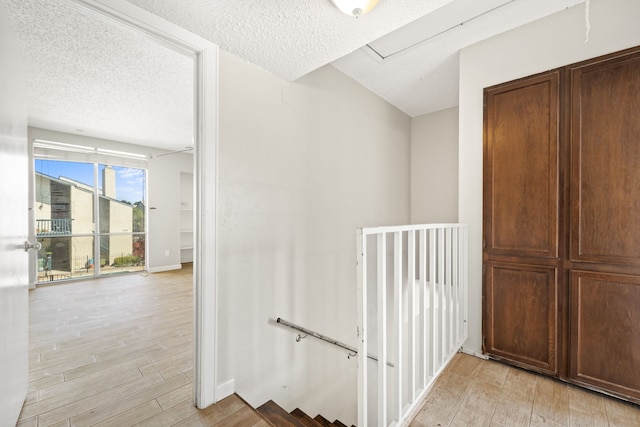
x: 521, y: 167
x: 605, y: 331
x: 605, y: 161
x: 521, y: 314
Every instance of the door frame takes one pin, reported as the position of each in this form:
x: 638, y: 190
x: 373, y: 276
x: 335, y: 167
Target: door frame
x: 205, y: 56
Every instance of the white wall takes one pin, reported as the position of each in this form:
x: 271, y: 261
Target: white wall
x: 301, y: 165
x: 163, y: 177
x: 546, y: 44
x: 434, y: 167
x: 186, y: 217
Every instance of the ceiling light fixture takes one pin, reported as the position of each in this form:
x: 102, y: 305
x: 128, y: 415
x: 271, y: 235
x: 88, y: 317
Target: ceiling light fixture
x: 355, y: 7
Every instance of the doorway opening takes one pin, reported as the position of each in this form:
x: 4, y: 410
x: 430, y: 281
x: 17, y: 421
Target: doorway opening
x: 142, y: 27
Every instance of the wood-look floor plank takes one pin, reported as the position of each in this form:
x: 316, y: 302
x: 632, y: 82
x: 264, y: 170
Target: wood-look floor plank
x: 622, y: 414
x: 32, y: 397
x: 176, y: 327
x: 523, y: 399
x: 177, y: 359
x: 81, y: 331
x: 41, y: 347
x: 478, y: 406
x: 443, y: 401
x: 69, y: 394
x: 133, y: 415
x: 551, y: 403
x: 492, y: 372
x: 128, y: 402
x: 46, y: 368
x: 114, y: 375
x: 118, y: 351
x: 46, y: 381
x: 214, y: 413
x: 92, y: 344
x: 30, y: 422
x: 515, y: 404
x: 126, y: 351
x: 55, y: 339
x: 102, y: 365
x: 178, y: 368
x: 243, y: 417
x: 89, y: 403
x: 171, y: 346
x: 465, y: 365
x: 586, y: 408
x: 168, y: 351
x: 171, y: 416
x: 176, y: 396
x: 34, y: 358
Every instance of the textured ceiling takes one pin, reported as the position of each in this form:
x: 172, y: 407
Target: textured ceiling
x: 290, y: 38
x: 419, y: 40
x: 89, y: 76
x: 416, y: 69
x: 92, y: 77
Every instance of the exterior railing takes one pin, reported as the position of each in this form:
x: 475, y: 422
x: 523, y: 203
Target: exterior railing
x: 53, y: 227
x: 412, y: 308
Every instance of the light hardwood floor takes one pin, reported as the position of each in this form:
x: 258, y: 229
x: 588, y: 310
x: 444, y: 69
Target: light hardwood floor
x: 476, y: 392
x: 118, y: 351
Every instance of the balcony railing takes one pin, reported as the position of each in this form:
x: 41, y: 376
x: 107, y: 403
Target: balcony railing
x: 53, y: 227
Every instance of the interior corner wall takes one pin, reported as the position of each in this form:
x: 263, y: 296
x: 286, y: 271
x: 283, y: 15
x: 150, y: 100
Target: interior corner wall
x: 549, y: 43
x: 164, y: 185
x: 301, y: 166
x: 434, y: 167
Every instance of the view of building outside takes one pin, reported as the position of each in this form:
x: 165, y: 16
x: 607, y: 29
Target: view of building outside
x: 65, y: 219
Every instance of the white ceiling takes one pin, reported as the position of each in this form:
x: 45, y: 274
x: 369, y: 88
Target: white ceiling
x: 91, y: 77
x: 114, y: 83
x: 415, y: 68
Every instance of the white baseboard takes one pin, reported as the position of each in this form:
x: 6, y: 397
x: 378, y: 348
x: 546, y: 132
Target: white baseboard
x: 473, y: 353
x: 225, y: 390
x: 164, y: 268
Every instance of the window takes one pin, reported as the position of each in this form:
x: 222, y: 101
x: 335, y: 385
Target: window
x: 71, y: 198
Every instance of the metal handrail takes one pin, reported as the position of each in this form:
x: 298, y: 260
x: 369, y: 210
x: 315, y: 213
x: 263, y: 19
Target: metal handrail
x: 352, y: 350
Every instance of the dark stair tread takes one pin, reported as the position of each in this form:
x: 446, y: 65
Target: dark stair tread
x: 323, y: 421
x: 337, y: 423
x: 304, y: 418
x: 277, y: 416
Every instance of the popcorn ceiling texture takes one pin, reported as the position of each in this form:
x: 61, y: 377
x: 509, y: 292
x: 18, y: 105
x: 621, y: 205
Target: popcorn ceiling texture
x: 289, y: 38
x: 114, y: 82
x: 424, y: 78
x: 118, y: 84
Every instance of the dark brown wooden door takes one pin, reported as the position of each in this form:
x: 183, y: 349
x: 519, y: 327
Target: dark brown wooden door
x: 605, y: 224
x: 561, y: 231
x: 521, y: 222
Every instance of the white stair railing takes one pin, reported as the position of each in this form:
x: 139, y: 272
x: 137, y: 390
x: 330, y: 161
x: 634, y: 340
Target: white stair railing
x: 412, y: 311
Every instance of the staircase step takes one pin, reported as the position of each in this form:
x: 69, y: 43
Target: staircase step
x: 278, y: 416
x: 323, y: 421
x: 304, y: 418
x: 337, y: 423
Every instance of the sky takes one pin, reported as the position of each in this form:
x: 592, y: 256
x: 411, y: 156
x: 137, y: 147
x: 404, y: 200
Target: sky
x: 130, y: 182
